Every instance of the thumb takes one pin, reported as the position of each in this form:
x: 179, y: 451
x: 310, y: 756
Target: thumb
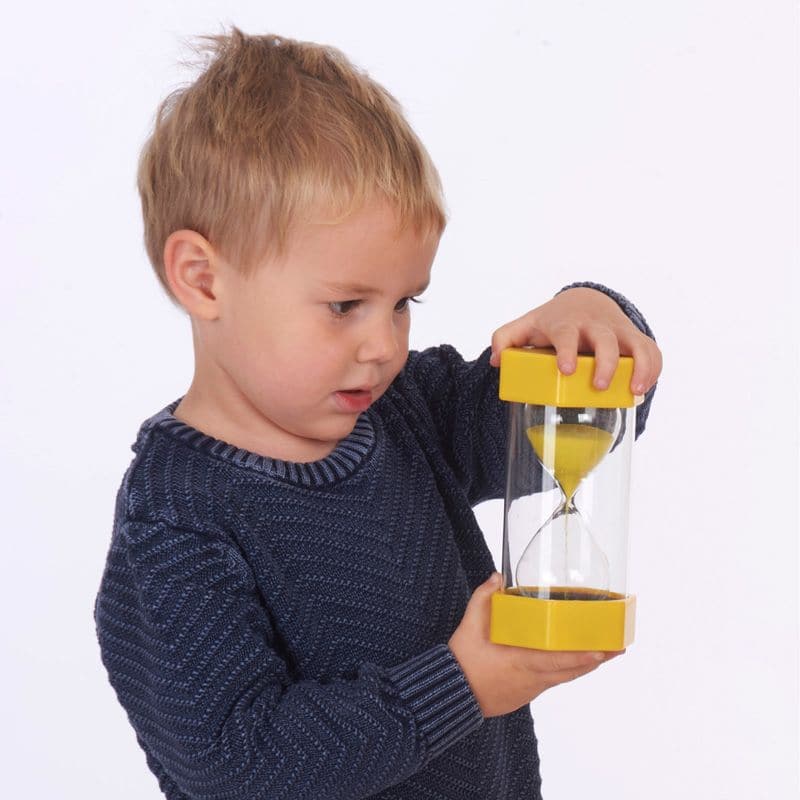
x: 490, y: 585
x: 479, y: 603
x: 474, y: 626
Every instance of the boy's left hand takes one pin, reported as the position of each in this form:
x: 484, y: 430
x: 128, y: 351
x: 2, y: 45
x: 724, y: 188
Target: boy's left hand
x: 584, y: 320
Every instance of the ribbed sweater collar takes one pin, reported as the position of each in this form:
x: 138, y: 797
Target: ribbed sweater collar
x: 349, y: 453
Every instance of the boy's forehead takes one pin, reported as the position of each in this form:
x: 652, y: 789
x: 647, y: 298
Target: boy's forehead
x: 370, y: 212
x: 330, y: 216
x: 357, y: 249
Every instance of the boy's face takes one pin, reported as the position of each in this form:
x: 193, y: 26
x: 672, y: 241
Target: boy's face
x: 306, y: 344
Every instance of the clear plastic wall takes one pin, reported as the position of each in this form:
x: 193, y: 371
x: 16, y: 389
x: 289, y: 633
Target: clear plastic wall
x: 565, y: 533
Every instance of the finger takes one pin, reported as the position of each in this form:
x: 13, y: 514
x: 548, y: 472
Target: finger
x: 491, y: 584
x: 502, y: 338
x: 642, y: 366
x: 517, y: 333
x: 646, y: 362
x: 478, y: 610
x: 656, y: 364
x: 606, y: 354
x: 595, y: 660
x: 570, y: 674
x: 565, y: 340
x: 562, y: 660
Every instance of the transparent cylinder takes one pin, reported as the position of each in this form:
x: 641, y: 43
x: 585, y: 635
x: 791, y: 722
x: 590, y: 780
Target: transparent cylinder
x: 565, y: 528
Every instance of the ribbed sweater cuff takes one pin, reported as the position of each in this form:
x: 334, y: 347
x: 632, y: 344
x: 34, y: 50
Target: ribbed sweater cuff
x: 439, y: 696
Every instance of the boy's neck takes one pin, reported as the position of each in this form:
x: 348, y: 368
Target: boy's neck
x: 233, y: 420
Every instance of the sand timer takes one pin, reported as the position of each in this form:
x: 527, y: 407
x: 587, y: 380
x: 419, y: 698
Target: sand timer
x: 565, y: 532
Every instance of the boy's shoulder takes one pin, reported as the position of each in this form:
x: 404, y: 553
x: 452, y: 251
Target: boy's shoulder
x: 148, y: 430
x: 163, y: 480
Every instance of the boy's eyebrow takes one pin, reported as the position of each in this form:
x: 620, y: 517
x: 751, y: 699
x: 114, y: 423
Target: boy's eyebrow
x: 359, y: 288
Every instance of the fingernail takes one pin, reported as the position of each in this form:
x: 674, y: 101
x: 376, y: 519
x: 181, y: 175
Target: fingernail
x: 599, y: 656
x: 601, y: 383
x: 567, y: 366
x: 639, y: 388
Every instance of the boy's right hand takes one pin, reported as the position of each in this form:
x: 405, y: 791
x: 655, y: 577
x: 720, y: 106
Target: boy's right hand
x: 504, y: 678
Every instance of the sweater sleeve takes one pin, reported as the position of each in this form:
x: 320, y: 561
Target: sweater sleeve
x: 459, y: 404
x: 193, y: 658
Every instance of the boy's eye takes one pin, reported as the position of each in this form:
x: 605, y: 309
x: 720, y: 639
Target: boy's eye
x: 343, y: 307
x: 402, y: 305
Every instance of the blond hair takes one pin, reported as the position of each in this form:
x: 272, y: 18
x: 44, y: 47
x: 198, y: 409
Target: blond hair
x: 271, y: 130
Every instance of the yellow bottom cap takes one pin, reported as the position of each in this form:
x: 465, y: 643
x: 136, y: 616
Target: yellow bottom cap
x: 589, y: 624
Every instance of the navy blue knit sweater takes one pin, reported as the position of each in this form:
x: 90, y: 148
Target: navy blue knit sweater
x: 278, y: 630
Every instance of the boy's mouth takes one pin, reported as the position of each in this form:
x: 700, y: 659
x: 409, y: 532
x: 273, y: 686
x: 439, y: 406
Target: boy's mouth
x: 354, y: 400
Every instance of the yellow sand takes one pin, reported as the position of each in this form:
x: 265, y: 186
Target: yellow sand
x: 570, y: 452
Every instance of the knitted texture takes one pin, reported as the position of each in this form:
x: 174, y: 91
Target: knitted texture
x: 278, y: 630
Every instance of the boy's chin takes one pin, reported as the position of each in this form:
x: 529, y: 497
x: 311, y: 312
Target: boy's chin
x: 316, y: 445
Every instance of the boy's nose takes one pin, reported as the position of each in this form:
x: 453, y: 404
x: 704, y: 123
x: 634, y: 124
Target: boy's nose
x: 381, y: 342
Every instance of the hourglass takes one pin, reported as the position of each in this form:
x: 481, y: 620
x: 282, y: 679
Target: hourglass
x: 569, y: 443
x: 566, y: 508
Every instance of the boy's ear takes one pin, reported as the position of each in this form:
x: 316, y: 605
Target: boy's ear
x: 189, y: 264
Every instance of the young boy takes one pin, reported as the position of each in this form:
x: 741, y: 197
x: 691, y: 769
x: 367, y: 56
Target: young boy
x: 295, y: 602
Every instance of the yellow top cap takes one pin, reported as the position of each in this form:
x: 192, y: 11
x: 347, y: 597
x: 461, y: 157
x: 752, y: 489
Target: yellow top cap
x: 531, y: 375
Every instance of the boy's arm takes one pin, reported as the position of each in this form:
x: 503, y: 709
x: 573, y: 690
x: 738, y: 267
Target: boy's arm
x: 456, y: 408
x: 196, y: 663
x: 461, y: 397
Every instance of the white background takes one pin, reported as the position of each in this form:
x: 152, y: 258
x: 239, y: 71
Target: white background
x: 649, y: 146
